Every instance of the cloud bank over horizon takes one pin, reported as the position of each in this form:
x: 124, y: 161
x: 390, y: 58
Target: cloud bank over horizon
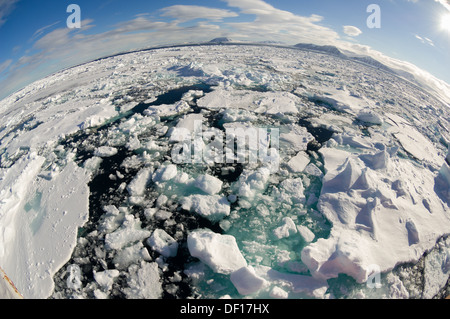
x: 55, y: 47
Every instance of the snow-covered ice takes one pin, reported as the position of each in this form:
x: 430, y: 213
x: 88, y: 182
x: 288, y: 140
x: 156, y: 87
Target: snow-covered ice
x: 213, y: 207
x: 93, y: 203
x: 246, y: 281
x: 220, y: 252
x: 209, y: 184
x: 163, y: 243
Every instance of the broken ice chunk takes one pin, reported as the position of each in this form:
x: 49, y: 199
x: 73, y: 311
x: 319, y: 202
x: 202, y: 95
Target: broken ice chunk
x: 105, y: 279
x: 93, y: 164
x: 105, y: 151
x: 343, y: 179
x: 413, y: 141
x: 128, y: 233
x: 313, y: 170
x: 165, y: 173
x: 297, y: 283
x: 191, y: 95
x: 246, y: 281
x: 370, y: 117
x: 376, y: 161
x: 238, y: 115
x: 220, y: 252
x: 139, y: 183
x: 165, y: 110
x: 306, y: 233
x: 186, y: 127
x: 163, y: 243
x: 291, y: 191
x: 209, y: 184
x: 251, y: 183
x: 143, y: 282
x: 299, y: 162
x: 278, y: 293
x: 295, y: 137
x: 131, y: 255
x: 74, y: 278
x: 213, y: 207
x: 288, y: 228
x: 342, y: 100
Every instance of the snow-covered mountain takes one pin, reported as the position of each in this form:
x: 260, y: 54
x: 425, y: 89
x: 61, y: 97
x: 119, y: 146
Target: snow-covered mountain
x: 221, y: 40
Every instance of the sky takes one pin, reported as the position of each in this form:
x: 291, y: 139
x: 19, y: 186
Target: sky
x: 36, y: 39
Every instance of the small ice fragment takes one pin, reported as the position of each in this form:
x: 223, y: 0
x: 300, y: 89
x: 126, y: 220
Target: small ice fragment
x: 299, y: 162
x: 370, y: 117
x: 128, y: 233
x: 213, y: 207
x: 105, y: 151
x: 306, y: 233
x: 209, y: 184
x: 139, y: 183
x: 220, y: 252
x: 165, y: 173
x: 278, y: 293
x: 74, y: 279
x: 288, y: 228
x: 131, y: 255
x: 106, y: 278
x: 246, y: 281
x: 163, y: 243
x: 144, y: 282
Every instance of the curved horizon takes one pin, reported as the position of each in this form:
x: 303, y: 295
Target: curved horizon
x: 32, y: 53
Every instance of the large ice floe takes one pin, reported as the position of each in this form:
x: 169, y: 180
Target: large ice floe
x: 224, y: 171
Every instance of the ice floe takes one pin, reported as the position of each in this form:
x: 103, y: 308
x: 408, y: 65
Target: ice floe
x: 220, y: 252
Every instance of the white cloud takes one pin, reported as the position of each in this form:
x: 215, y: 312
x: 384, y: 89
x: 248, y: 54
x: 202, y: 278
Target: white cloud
x: 185, y: 13
x: 424, y: 40
x: 352, y: 31
x: 445, y: 3
x: 5, y: 65
x: 6, y: 7
x: 41, y: 31
x: 274, y: 24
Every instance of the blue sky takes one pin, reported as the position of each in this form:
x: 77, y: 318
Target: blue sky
x: 35, y: 40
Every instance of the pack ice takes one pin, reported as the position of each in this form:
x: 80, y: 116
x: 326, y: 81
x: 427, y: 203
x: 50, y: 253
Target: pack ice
x: 94, y: 204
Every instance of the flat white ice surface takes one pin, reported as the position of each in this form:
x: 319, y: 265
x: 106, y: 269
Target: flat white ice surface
x: 258, y: 102
x: 39, y: 223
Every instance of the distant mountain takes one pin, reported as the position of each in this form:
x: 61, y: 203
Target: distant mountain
x: 330, y: 49
x: 372, y: 62
x: 365, y: 59
x: 220, y: 40
x: 271, y: 42
x: 368, y: 60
